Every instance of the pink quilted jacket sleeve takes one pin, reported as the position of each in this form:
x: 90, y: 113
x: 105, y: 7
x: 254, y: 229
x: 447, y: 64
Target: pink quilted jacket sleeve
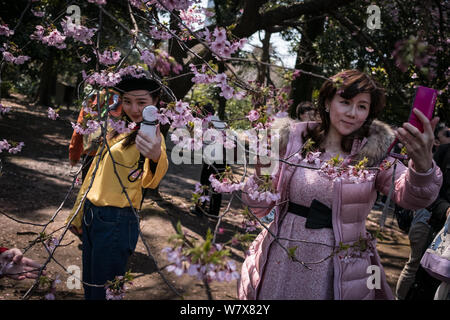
x: 412, y: 190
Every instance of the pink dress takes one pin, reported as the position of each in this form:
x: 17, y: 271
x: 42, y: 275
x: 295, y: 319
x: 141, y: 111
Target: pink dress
x: 285, y: 279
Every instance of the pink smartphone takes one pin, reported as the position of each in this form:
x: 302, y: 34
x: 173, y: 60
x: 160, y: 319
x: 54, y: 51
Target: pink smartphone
x: 424, y: 101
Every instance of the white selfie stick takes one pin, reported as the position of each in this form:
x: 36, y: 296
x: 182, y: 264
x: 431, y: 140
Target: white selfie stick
x: 149, y: 122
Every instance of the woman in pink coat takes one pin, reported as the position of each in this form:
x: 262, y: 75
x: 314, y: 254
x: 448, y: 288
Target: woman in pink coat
x: 320, y: 218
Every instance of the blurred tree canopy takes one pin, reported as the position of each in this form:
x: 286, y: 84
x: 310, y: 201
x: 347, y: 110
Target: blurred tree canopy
x: 409, y: 48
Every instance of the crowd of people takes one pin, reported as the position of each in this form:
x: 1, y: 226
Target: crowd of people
x: 316, y: 212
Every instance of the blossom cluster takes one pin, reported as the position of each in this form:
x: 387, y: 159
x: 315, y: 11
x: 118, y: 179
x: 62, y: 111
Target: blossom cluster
x: 253, y: 115
x: 335, y: 170
x: 13, y: 149
x: 38, y: 14
x: 52, y: 114
x: 98, y: 2
x: 108, y: 78
x: 161, y: 61
x: 120, y: 126
x: 77, y: 31
x: 172, y: 4
x: 5, y: 31
x: 116, y: 289
x: 53, y: 39
x: 193, y: 16
x: 103, y: 78
x: 198, y: 196
x: 219, y: 79
x: 182, y: 263
x: 179, y: 115
x: 9, y: 57
x: 90, y: 127
x: 159, y: 34
x: 45, y: 281
x: 4, y: 110
x: 51, y: 243
x: 225, y: 185
x: 262, y: 191
x: 219, y: 43
x: 109, y: 57
x: 70, y: 30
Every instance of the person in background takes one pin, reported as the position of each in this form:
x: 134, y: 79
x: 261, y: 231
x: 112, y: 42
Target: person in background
x: 306, y: 111
x: 211, y: 166
x: 15, y: 266
x: 84, y: 147
x: 425, y: 224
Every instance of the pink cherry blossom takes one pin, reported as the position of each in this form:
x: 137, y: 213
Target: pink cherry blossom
x: 4, y: 110
x: 4, y: 30
x: 38, y: 14
x: 38, y: 34
x: 52, y: 114
x: 220, y: 34
x: 99, y: 2
x: 78, y: 32
x: 172, y: 4
x: 159, y: 34
x: 224, y: 186
x: 4, y: 145
x: 227, y: 91
x: 8, y: 56
x: 253, y: 115
x: 17, y: 148
x: 313, y: 158
x: 55, y: 39
x: 109, y: 57
x: 16, y: 60
x: 90, y: 127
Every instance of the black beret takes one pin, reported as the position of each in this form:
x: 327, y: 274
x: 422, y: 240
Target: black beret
x: 129, y: 83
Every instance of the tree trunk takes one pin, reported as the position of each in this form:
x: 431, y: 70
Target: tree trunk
x: 222, y: 100
x: 302, y: 87
x: 47, y: 80
x: 264, y: 70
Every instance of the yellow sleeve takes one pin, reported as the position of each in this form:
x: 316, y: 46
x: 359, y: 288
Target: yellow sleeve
x: 152, y: 181
x: 78, y: 219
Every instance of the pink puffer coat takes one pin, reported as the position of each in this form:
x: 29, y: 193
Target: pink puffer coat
x: 351, y: 205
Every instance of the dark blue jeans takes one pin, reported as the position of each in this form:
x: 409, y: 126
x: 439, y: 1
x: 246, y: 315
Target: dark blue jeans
x: 110, y: 235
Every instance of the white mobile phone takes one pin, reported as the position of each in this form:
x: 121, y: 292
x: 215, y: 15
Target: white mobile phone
x: 149, y: 122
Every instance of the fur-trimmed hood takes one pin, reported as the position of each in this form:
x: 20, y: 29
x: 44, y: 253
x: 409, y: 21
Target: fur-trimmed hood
x: 374, y: 147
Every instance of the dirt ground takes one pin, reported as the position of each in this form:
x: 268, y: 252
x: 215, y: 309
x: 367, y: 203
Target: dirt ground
x: 35, y: 182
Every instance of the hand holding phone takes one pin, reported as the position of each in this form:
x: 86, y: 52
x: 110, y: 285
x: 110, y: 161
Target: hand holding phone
x: 418, y: 134
x: 148, y: 140
x: 424, y: 101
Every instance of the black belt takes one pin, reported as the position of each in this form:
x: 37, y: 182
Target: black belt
x: 317, y: 215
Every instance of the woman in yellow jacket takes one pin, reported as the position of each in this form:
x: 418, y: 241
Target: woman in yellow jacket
x: 109, y: 227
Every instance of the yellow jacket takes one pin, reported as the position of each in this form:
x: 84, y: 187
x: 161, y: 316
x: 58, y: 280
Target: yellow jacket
x: 106, y: 189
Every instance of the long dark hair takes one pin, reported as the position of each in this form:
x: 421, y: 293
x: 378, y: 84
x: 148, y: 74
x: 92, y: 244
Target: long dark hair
x: 347, y: 84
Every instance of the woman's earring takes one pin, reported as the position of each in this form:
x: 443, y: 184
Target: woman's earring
x: 327, y: 109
